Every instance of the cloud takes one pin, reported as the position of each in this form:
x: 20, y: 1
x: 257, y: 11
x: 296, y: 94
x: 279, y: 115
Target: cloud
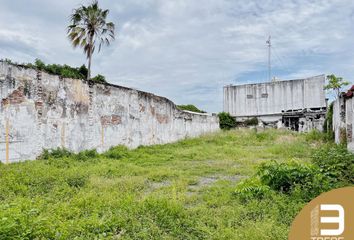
x: 187, y: 50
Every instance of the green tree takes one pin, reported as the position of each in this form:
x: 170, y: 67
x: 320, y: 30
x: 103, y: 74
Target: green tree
x: 89, y: 28
x: 335, y: 84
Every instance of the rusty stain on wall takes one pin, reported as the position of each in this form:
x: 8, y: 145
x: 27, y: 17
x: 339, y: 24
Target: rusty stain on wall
x: 16, y: 97
x: 162, y: 118
x: 111, y: 120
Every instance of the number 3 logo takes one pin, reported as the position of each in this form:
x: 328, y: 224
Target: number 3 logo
x: 339, y: 219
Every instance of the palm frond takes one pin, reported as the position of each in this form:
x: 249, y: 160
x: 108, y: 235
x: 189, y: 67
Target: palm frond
x: 88, y: 28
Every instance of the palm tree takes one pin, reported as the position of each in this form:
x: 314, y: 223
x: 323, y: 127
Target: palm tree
x: 88, y: 28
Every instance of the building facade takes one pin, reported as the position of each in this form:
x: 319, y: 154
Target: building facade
x: 298, y: 104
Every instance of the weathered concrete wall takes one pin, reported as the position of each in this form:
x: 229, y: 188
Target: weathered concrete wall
x: 343, y: 119
x: 336, y: 123
x: 272, y: 98
x: 41, y: 111
x: 349, y: 120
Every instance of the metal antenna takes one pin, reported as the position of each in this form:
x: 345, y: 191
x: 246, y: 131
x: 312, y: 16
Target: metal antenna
x: 269, y: 43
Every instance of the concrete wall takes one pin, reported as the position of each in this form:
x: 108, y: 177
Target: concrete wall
x: 41, y: 111
x: 349, y: 120
x: 274, y: 97
x: 343, y: 119
x: 336, y: 121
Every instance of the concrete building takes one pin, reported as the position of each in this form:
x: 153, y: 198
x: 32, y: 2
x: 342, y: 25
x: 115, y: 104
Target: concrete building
x: 298, y: 104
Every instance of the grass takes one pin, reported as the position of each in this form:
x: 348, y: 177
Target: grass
x: 183, y: 190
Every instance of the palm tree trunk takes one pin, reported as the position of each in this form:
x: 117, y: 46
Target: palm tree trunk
x: 89, y: 64
x: 90, y: 57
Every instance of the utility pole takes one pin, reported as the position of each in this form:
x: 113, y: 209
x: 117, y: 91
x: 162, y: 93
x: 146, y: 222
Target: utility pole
x: 269, y: 43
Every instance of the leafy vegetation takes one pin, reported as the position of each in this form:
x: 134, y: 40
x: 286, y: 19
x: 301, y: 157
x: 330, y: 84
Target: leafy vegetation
x: 336, y: 163
x: 65, y: 71
x: 328, y: 124
x: 226, y: 121
x: 335, y: 84
x: 190, y: 107
x: 238, y: 184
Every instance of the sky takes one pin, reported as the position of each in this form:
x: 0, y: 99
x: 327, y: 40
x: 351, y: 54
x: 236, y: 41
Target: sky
x: 187, y: 50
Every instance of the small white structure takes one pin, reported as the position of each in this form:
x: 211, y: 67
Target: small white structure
x: 343, y: 119
x: 298, y: 104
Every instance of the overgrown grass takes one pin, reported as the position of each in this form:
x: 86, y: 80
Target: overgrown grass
x: 185, y: 190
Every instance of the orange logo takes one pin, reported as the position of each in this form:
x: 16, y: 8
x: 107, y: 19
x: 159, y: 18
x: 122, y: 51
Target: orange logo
x: 328, y: 217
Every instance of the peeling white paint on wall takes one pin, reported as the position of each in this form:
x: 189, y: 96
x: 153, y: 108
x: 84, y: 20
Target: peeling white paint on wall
x: 343, y: 119
x: 46, y: 112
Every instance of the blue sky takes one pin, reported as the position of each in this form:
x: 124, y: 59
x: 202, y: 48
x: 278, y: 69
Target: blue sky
x: 187, y: 50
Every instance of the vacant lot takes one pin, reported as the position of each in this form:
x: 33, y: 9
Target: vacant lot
x: 184, y: 190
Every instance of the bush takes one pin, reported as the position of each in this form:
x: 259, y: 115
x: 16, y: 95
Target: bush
x: 226, y: 121
x: 86, y: 155
x: 55, y: 153
x: 252, y: 188
x: 190, y: 107
x: 117, y: 152
x: 288, y: 176
x: 76, y: 181
x: 99, y: 79
x: 335, y: 162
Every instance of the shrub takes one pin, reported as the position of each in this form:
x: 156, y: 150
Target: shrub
x: 190, y: 107
x: 87, y: 155
x: 252, y: 188
x: 55, y: 153
x: 335, y: 162
x: 287, y: 176
x: 251, y: 121
x: 226, y: 121
x: 117, y: 152
x: 65, y: 71
x: 76, y: 181
x: 39, y: 64
x: 99, y: 79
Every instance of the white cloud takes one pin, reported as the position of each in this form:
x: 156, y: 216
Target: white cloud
x: 187, y: 50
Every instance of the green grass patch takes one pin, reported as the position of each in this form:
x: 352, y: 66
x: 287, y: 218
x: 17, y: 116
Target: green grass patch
x: 184, y: 190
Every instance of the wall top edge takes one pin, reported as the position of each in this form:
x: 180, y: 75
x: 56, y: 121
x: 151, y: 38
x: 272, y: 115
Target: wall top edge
x: 322, y: 76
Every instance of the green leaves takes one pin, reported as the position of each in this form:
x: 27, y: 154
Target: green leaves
x: 226, y: 121
x: 190, y: 107
x: 335, y: 83
x: 335, y: 162
x: 89, y: 27
x: 287, y: 176
x: 252, y: 188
